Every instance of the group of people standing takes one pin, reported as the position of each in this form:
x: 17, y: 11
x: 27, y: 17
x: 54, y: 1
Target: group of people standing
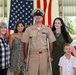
x: 14, y: 49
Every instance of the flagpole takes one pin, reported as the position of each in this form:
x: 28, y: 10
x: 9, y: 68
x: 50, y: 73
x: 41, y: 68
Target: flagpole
x: 3, y: 12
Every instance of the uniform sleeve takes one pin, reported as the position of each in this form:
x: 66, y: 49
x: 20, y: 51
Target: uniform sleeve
x: 51, y: 36
x: 74, y: 65
x: 60, y: 62
x: 69, y: 37
x: 25, y: 37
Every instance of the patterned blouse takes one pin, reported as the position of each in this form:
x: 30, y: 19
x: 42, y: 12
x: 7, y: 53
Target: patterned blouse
x: 4, y: 53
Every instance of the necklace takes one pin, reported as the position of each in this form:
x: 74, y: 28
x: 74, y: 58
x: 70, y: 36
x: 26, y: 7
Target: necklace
x: 57, y: 34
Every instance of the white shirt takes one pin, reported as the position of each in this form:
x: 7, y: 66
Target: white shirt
x: 67, y: 65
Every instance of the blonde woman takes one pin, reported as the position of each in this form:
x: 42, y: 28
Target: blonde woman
x: 4, y: 49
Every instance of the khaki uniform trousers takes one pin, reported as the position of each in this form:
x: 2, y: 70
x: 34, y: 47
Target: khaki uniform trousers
x: 38, y: 63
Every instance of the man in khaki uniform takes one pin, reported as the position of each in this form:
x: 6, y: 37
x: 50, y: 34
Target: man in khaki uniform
x: 38, y: 54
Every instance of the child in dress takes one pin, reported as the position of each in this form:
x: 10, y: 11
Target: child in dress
x: 67, y: 62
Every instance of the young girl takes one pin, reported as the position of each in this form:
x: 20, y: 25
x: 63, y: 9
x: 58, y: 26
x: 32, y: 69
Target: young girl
x: 4, y: 49
x: 67, y: 62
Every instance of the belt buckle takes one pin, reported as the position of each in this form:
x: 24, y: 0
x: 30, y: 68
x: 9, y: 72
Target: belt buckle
x: 40, y: 52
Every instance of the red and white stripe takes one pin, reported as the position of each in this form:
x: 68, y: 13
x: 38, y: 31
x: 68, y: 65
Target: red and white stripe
x: 10, y: 31
x: 46, y: 6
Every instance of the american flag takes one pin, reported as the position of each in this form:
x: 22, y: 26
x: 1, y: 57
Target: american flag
x: 21, y: 10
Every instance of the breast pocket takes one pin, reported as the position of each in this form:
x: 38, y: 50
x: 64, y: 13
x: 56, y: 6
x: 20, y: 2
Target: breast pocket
x: 34, y: 38
x: 44, y: 39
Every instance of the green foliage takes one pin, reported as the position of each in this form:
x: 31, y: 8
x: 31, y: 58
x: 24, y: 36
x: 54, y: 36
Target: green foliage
x: 71, y: 28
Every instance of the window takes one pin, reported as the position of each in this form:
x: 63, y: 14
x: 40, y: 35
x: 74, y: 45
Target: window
x: 67, y: 10
x: 3, y: 10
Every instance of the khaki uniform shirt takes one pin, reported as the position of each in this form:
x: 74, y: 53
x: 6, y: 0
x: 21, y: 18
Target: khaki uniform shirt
x: 38, y: 37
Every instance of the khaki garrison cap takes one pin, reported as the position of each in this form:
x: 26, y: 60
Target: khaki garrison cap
x: 37, y: 12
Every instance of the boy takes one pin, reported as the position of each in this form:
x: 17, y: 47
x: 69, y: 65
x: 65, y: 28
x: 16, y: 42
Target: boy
x: 67, y: 62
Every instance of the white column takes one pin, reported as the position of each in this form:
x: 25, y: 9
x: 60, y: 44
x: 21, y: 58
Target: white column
x: 55, y: 9
x: 8, y: 10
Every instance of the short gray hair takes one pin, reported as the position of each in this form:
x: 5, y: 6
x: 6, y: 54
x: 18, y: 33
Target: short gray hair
x: 3, y: 24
